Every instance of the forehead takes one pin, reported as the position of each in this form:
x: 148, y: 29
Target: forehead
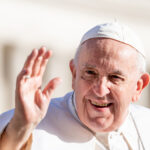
x: 107, y: 53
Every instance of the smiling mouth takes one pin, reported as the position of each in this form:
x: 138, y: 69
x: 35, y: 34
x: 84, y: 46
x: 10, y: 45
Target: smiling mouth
x: 100, y: 105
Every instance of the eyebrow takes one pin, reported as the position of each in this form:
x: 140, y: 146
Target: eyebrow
x: 118, y: 72
x: 89, y: 66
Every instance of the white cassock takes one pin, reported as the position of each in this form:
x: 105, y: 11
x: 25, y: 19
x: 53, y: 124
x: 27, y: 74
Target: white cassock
x: 61, y: 129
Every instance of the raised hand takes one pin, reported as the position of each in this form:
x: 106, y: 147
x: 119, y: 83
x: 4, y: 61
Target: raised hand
x: 31, y: 103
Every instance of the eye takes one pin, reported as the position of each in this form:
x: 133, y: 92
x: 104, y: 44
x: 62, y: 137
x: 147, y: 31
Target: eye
x: 116, y: 78
x: 89, y: 74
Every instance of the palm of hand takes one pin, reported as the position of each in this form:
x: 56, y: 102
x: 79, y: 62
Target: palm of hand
x: 31, y: 102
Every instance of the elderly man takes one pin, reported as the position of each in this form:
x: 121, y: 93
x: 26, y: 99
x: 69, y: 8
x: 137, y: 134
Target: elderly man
x: 108, y: 73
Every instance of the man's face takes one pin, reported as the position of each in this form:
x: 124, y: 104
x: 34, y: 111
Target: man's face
x: 105, y: 82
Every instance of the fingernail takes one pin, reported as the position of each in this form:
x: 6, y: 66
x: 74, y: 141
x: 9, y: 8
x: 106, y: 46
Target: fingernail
x: 43, y: 48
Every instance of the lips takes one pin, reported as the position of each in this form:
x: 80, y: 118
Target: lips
x: 100, y: 104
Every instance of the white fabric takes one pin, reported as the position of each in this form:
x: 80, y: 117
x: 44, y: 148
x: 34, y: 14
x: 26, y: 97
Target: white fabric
x: 117, y: 32
x: 62, y: 130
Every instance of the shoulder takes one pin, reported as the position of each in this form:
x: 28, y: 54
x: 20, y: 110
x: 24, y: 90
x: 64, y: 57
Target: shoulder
x: 140, y: 110
x: 141, y: 116
x: 60, y: 121
x: 61, y: 102
x: 140, y: 113
x: 58, y: 112
x: 5, y: 118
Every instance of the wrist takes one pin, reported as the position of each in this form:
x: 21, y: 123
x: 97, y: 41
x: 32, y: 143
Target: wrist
x: 15, y: 136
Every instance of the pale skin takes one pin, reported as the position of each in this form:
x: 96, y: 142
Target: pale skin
x: 31, y: 102
x: 106, y: 73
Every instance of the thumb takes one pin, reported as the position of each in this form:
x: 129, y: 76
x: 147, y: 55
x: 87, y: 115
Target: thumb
x: 51, y: 86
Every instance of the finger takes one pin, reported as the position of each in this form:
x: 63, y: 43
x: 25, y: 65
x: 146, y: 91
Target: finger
x: 51, y: 86
x: 38, y: 61
x: 20, y: 77
x: 44, y: 63
x: 39, y: 98
x: 21, y: 74
x: 41, y: 101
x: 30, y: 61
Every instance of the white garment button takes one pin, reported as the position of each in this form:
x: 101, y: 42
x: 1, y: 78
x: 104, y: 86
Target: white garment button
x: 113, y: 135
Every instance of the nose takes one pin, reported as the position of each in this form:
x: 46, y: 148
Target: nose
x: 101, y: 87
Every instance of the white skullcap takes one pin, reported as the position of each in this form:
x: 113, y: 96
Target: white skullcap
x: 117, y: 32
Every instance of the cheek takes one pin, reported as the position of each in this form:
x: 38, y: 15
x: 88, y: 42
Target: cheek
x: 82, y: 89
x: 82, y: 86
x: 122, y: 94
x: 122, y: 98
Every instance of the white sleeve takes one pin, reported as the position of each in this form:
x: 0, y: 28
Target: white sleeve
x: 4, y: 119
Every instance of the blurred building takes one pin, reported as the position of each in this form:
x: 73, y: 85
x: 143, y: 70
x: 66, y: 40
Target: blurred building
x: 59, y: 26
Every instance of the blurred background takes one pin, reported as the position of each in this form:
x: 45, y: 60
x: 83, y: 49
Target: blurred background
x: 59, y: 25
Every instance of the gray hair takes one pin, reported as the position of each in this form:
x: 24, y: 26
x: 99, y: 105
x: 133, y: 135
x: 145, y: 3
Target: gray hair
x: 141, y: 63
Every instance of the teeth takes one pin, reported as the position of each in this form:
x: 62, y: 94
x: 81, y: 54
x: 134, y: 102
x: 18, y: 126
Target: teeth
x: 103, y: 105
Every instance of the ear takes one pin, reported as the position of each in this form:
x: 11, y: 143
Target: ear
x: 73, y: 71
x: 141, y: 84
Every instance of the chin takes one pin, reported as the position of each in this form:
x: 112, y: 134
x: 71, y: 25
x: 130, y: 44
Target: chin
x: 101, y: 125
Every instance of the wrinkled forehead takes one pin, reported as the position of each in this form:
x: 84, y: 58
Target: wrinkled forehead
x: 101, y: 50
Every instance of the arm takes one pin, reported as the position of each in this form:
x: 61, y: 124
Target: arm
x: 31, y: 103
